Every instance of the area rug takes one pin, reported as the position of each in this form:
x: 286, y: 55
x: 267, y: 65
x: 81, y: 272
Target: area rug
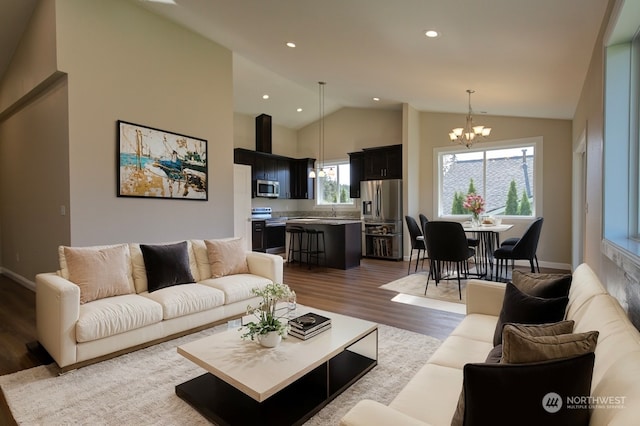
x: 414, y: 284
x: 139, y: 387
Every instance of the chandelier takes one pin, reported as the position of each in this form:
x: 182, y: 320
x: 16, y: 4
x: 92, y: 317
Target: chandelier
x: 320, y: 165
x: 469, y: 133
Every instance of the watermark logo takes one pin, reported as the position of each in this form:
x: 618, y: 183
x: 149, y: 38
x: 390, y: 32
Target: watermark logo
x: 552, y: 402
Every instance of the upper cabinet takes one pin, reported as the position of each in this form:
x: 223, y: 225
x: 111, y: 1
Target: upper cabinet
x: 356, y: 171
x: 302, y: 187
x: 383, y: 162
x: 291, y: 173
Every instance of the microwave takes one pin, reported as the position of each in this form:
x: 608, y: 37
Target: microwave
x: 267, y: 188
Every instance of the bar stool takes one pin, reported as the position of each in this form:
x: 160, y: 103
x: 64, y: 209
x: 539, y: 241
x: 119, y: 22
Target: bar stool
x: 313, y: 246
x: 295, y: 235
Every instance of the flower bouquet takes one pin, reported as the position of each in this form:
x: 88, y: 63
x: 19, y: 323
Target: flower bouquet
x: 268, y: 321
x: 475, y: 204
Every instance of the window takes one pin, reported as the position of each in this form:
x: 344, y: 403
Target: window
x: 621, y: 144
x: 333, y: 188
x: 504, y: 174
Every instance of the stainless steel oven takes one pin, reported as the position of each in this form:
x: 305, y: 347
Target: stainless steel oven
x: 269, y: 234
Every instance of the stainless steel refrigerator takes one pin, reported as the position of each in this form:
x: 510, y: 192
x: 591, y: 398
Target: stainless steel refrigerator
x: 382, y: 218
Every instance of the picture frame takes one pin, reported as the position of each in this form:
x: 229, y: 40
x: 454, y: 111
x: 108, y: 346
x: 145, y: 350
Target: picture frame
x: 155, y: 163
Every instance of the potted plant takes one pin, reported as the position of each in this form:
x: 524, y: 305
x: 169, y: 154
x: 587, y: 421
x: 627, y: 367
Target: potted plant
x: 269, y: 327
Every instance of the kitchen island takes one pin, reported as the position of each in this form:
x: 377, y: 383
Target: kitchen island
x: 343, y: 239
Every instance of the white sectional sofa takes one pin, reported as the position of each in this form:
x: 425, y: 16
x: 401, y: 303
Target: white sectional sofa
x: 76, y: 333
x: 431, y: 396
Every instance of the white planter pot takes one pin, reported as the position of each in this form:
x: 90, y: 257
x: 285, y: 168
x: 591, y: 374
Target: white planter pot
x: 270, y: 340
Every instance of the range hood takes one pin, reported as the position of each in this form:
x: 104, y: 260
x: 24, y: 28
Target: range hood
x: 263, y: 133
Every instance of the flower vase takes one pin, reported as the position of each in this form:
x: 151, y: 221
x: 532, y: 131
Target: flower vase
x: 475, y: 220
x: 270, y: 340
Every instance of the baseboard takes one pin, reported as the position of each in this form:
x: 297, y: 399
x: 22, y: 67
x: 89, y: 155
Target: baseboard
x: 19, y: 279
x: 544, y: 264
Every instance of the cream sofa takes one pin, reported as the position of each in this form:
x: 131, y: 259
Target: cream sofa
x: 431, y: 396
x: 76, y: 333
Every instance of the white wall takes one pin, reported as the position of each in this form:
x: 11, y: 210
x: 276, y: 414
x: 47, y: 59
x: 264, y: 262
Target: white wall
x: 129, y: 64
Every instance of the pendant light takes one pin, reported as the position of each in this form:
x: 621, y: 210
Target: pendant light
x: 320, y: 165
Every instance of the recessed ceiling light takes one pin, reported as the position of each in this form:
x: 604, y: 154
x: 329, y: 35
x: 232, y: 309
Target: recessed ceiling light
x: 376, y: 99
x: 162, y: 1
x: 265, y: 96
x: 299, y: 110
x: 291, y: 44
x: 431, y: 33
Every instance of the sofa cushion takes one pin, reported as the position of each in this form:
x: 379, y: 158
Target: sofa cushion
x: 587, y: 285
x: 477, y: 327
x: 456, y: 351
x: 542, y: 285
x: 237, y: 287
x: 618, y: 392
x: 115, y: 315
x: 617, y: 336
x: 177, y: 301
x: 489, y: 398
x: 166, y: 265
x: 431, y: 395
x: 519, y: 307
x: 227, y: 257
x: 99, y: 271
x: 519, y: 346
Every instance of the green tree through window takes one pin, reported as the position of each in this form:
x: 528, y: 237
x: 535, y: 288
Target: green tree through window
x: 498, y: 173
x: 511, y: 208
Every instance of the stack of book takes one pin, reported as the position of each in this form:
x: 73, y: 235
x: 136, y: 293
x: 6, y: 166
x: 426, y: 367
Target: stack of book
x: 308, y: 325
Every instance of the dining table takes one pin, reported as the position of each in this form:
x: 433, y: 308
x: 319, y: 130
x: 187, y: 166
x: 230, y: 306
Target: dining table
x: 488, y: 236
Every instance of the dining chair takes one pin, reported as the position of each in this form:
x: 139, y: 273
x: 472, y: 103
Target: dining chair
x: 447, y: 242
x: 423, y: 221
x: 417, y: 241
x: 523, y: 248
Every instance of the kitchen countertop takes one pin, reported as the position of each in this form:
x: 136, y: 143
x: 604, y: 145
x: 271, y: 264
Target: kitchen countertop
x: 322, y: 221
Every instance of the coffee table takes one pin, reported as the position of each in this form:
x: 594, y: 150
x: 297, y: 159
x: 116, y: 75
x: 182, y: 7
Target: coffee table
x: 248, y: 384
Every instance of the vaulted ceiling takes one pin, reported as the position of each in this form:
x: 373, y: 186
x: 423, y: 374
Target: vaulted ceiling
x: 522, y: 57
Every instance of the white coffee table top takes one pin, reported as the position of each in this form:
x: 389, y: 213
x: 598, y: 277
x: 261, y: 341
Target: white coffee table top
x: 260, y: 372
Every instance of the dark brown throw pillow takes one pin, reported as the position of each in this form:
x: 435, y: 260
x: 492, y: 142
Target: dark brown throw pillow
x: 525, y: 394
x: 552, y: 329
x: 519, y: 347
x: 166, y: 265
x: 542, y: 285
x: 495, y: 355
x: 519, y: 307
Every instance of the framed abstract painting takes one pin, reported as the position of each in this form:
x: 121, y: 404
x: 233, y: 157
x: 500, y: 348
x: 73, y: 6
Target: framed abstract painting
x: 154, y: 163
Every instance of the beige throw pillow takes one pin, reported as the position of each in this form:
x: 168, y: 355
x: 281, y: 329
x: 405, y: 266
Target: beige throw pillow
x: 519, y: 347
x: 227, y: 257
x: 99, y: 272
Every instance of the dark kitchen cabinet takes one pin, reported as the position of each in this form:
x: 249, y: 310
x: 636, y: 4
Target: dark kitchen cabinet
x: 291, y: 173
x: 383, y: 162
x: 266, y: 167
x: 302, y: 187
x: 356, y: 172
x: 258, y: 235
x: 244, y: 156
x: 263, y: 166
x: 284, y: 177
